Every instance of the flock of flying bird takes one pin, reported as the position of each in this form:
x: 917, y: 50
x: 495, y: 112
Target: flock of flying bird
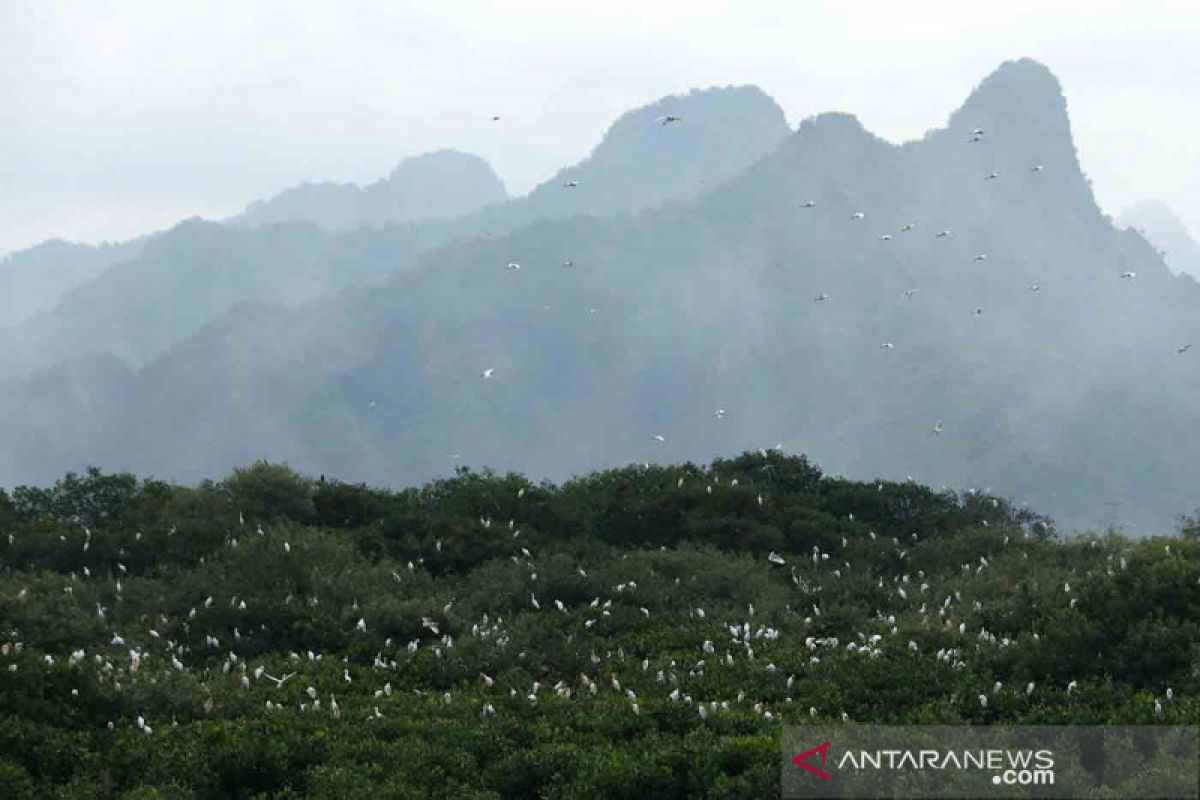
x: 977, y: 135
x: 743, y: 642
x: 161, y: 647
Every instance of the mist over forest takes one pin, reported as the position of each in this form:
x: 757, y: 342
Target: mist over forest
x: 418, y: 486
x: 956, y: 309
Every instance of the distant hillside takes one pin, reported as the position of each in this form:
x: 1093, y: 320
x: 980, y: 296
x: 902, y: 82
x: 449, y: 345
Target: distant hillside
x: 183, y: 277
x: 1009, y: 354
x: 1166, y: 232
x: 439, y: 185
x: 200, y: 270
x: 642, y: 163
x: 33, y: 280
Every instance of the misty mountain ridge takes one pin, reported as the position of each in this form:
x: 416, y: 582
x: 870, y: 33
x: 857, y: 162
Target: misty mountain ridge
x: 636, y: 165
x: 440, y: 185
x: 1165, y: 231
x: 33, y: 280
x: 643, y: 162
x: 869, y: 342
x: 199, y: 270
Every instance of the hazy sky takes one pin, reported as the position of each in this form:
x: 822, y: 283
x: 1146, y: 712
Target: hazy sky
x: 122, y: 117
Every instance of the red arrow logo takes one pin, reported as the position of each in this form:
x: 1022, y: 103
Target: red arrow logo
x: 801, y: 760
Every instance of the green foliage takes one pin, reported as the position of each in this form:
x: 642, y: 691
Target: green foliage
x: 1189, y: 527
x: 123, y: 599
x: 266, y: 492
x: 91, y: 499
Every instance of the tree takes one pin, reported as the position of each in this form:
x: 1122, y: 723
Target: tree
x: 266, y: 492
x: 1189, y: 527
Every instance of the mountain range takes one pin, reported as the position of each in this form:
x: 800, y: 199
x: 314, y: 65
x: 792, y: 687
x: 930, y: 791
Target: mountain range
x: 1165, y: 231
x: 440, y: 185
x: 158, y: 296
x: 32, y: 281
x: 957, y: 309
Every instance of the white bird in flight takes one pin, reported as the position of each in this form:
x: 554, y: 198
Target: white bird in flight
x: 514, y: 266
x: 991, y: 176
x: 809, y: 204
x: 908, y: 227
x: 571, y: 184
x: 719, y: 413
x: 981, y: 257
x: 857, y: 215
x: 1183, y: 349
x: 658, y: 437
x: 668, y: 118
x: 887, y: 237
x: 487, y: 373
x: 775, y: 558
x: 821, y: 298
x: 886, y: 345
x: 1129, y: 275
x: 1035, y: 287
x: 279, y: 681
x: 943, y: 234
x: 938, y: 427
x: 1036, y: 168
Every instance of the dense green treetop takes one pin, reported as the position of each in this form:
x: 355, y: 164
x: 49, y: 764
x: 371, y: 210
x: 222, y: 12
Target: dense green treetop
x: 637, y: 632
